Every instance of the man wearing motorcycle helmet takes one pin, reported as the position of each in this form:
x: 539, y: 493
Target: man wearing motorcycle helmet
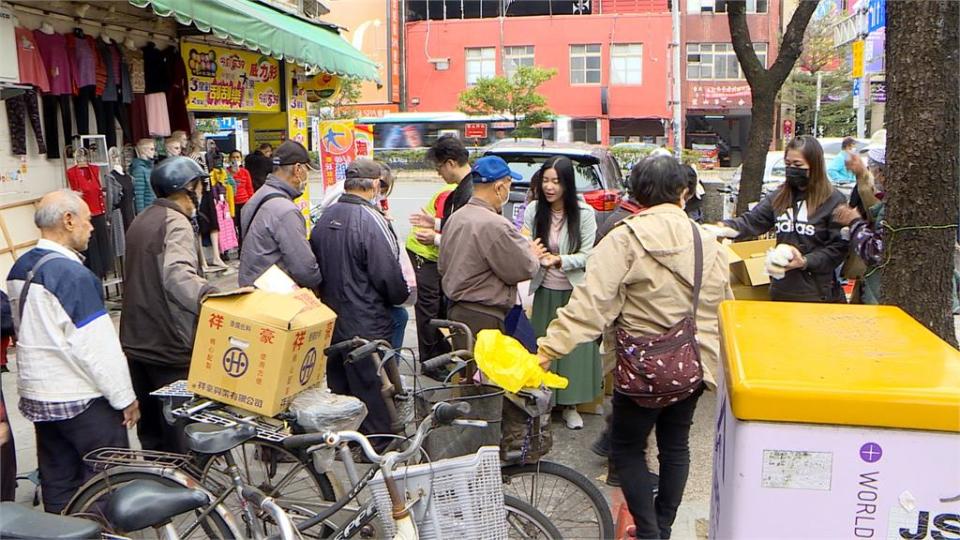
x: 163, y: 289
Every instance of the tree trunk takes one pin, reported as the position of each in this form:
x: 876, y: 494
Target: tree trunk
x: 923, y: 61
x: 764, y: 86
x: 758, y: 141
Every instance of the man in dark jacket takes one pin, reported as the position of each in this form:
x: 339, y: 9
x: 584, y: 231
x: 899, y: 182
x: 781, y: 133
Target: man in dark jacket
x: 260, y: 164
x: 163, y: 289
x: 359, y: 254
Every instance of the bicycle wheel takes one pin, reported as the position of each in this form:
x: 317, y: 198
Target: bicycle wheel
x: 566, y: 497
x: 526, y: 522
x: 291, y: 480
x: 91, y: 501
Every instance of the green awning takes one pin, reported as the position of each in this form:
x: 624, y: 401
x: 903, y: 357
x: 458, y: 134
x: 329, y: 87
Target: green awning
x: 258, y: 27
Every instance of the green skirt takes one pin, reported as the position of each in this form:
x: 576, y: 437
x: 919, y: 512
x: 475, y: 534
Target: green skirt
x: 582, y: 366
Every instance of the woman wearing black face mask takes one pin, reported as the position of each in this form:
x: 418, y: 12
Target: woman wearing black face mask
x: 800, y: 211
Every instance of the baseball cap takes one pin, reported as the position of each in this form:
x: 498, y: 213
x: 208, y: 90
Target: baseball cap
x: 364, y: 168
x: 291, y: 152
x: 489, y: 169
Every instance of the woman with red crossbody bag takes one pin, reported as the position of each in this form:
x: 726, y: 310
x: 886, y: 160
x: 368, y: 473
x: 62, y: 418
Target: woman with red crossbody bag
x: 658, y: 278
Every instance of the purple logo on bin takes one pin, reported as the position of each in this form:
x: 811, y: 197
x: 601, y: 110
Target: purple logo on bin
x: 871, y: 452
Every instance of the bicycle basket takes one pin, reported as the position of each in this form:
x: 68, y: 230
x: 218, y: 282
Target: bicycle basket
x: 525, y: 428
x: 486, y: 403
x: 452, y: 498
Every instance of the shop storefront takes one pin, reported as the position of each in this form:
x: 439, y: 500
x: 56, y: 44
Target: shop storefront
x: 106, y: 75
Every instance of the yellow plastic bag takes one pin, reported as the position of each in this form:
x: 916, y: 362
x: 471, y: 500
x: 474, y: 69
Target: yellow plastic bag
x: 509, y: 365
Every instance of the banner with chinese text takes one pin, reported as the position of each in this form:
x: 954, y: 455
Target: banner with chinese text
x: 224, y: 79
x: 340, y: 142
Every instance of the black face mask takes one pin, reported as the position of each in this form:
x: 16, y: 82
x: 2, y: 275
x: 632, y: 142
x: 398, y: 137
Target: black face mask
x: 797, y: 178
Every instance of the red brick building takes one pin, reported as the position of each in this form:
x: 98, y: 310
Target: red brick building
x: 612, y: 68
x: 612, y: 60
x: 716, y: 98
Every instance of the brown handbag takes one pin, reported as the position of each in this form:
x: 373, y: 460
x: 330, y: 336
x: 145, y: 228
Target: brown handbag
x: 657, y: 371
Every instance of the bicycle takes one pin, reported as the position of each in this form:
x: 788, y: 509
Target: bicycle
x: 445, y: 514
x: 217, y: 440
x: 558, y: 491
x: 128, y: 510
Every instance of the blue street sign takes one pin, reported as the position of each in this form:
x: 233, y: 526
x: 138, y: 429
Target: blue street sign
x: 876, y: 15
x: 856, y: 88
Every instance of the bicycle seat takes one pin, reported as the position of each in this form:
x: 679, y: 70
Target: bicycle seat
x: 18, y: 521
x: 214, y: 439
x: 147, y: 503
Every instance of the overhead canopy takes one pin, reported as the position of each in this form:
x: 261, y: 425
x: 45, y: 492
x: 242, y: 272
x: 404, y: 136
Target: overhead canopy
x: 282, y: 36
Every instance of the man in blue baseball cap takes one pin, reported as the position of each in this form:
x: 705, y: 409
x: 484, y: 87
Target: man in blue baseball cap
x: 482, y: 255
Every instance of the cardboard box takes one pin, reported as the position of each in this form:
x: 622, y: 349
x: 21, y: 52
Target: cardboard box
x: 746, y: 292
x: 256, y: 350
x: 747, y: 261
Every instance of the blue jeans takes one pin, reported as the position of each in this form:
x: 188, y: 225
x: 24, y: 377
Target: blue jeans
x: 400, y: 318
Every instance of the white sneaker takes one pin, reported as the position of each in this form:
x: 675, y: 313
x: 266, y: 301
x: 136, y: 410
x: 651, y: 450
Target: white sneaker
x: 572, y: 418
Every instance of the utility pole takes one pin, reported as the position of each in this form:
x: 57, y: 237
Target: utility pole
x: 677, y: 105
x: 816, y: 111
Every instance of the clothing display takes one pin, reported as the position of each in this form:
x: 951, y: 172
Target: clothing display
x: 158, y: 120
x: 142, y: 191
x: 114, y: 197
x: 53, y: 50
x: 156, y: 78
x: 18, y: 107
x: 139, y: 126
x: 177, y: 90
x: 87, y: 96
x: 127, y: 203
x: 32, y: 70
x: 83, y: 59
x: 85, y: 180
x: 228, y: 232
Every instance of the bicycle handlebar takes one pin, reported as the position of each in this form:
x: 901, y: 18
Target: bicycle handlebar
x: 447, y: 358
x: 349, y: 344
x: 363, y: 351
x: 442, y: 414
x: 453, y: 326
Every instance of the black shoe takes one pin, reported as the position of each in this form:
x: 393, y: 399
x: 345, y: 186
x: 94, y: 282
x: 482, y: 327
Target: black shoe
x: 613, y: 479
x: 4, y: 369
x: 601, y: 446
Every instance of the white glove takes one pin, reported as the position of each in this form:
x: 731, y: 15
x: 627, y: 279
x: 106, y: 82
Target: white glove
x: 777, y: 258
x: 721, y: 231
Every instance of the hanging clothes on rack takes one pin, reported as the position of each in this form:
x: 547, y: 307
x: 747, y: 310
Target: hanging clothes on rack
x: 221, y: 200
x: 53, y: 49
x: 87, y: 69
x: 33, y: 73
x: 85, y: 179
x: 114, y: 197
x: 157, y: 80
x: 177, y: 91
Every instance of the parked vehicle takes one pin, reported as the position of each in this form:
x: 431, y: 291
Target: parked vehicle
x: 708, y: 146
x: 598, y: 175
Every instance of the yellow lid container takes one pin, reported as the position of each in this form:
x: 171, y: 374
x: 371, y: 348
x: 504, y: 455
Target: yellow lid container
x: 838, y: 364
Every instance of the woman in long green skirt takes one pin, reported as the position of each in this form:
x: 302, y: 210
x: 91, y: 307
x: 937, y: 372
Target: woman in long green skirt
x: 566, y: 226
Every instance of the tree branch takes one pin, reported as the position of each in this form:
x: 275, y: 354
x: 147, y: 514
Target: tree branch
x: 792, y: 44
x: 753, y: 70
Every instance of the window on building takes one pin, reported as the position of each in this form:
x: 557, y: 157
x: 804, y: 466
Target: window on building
x: 626, y: 63
x: 717, y: 61
x: 481, y: 64
x: 585, y: 131
x: 720, y: 6
x: 585, y: 64
x: 514, y: 57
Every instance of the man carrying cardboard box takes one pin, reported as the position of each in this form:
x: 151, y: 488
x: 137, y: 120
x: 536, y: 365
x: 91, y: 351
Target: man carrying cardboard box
x: 358, y: 252
x: 163, y: 288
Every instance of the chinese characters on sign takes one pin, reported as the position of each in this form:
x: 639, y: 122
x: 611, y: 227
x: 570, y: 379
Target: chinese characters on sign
x: 727, y: 95
x: 223, y: 79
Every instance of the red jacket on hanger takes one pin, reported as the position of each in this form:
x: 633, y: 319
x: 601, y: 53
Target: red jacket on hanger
x: 86, y: 181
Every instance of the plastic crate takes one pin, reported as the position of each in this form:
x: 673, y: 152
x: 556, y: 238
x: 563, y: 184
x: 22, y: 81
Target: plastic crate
x: 457, y: 498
